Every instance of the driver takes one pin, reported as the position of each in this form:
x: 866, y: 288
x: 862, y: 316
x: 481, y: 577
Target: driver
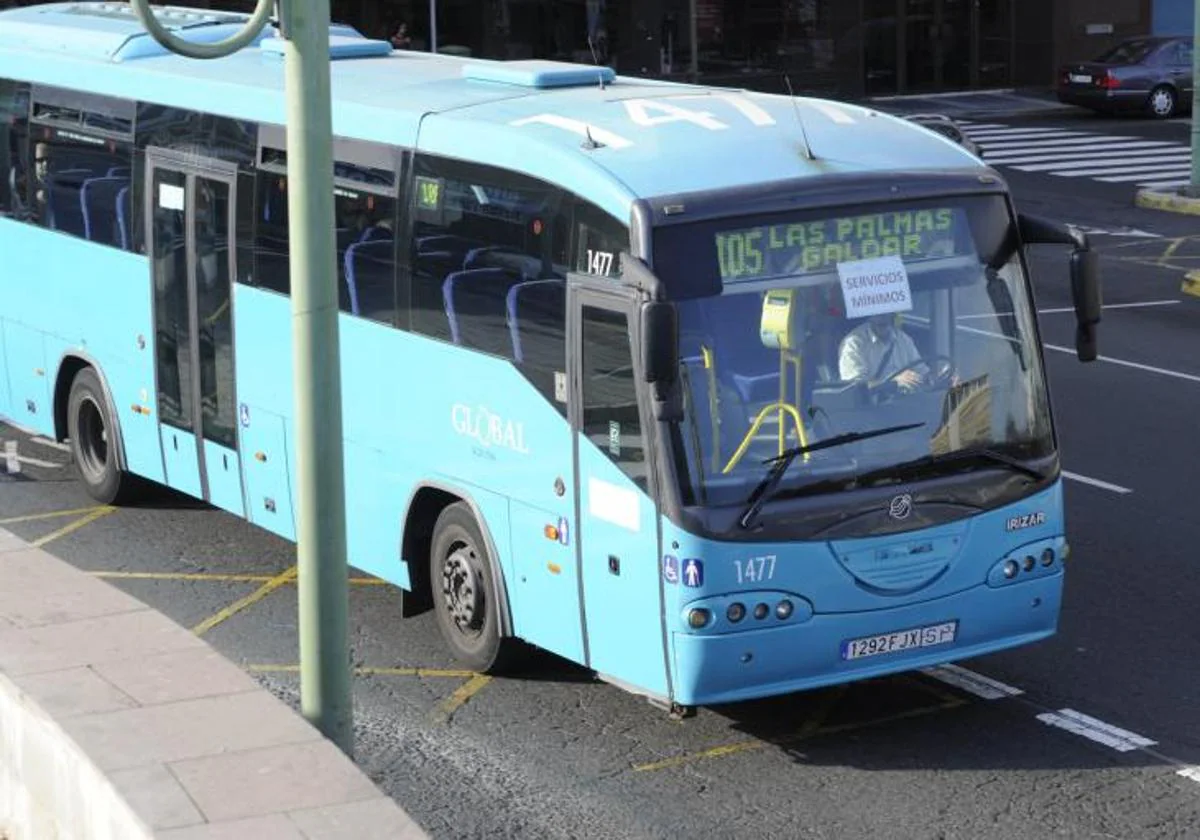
x: 876, y: 351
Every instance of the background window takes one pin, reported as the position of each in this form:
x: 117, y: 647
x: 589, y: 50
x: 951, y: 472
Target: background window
x: 14, y: 148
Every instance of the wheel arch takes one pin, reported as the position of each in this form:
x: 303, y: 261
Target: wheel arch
x: 69, y: 366
x: 428, y: 500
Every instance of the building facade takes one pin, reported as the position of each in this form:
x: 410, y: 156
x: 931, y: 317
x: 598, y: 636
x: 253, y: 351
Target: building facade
x: 845, y: 48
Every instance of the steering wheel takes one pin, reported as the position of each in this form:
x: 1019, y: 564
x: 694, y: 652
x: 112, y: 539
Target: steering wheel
x: 941, y: 372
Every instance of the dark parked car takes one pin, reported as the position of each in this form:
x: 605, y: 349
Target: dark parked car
x: 1151, y: 75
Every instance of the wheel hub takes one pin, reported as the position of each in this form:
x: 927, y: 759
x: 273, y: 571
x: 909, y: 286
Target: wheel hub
x: 461, y: 590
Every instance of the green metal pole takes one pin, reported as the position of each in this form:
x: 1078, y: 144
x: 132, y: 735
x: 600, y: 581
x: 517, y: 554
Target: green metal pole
x: 320, y: 511
x: 1194, y: 190
x: 320, y: 482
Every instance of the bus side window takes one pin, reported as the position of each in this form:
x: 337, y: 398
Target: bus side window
x: 83, y: 158
x: 483, y: 274
x: 271, y: 262
x: 599, y: 241
x: 14, y: 148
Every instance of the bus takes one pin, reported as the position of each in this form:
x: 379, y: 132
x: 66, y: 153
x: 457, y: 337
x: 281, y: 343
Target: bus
x: 717, y: 394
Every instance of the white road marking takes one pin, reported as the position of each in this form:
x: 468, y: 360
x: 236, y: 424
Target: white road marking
x: 11, y: 462
x: 976, y: 684
x: 1135, y: 365
x: 53, y: 444
x: 1192, y: 773
x: 1070, y: 309
x: 1120, y: 740
x: 1109, y: 359
x: 1095, y: 482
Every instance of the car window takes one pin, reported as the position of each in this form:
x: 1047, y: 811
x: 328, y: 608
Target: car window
x: 1183, y: 53
x: 1130, y: 52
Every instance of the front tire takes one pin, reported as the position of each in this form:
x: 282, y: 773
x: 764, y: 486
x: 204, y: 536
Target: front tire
x: 92, y: 432
x: 465, y: 595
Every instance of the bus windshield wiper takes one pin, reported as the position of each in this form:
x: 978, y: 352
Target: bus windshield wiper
x: 975, y: 454
x: 782, y: 462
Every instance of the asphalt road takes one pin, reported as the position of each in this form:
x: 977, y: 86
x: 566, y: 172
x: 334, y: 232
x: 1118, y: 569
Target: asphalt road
x: 554, y: 753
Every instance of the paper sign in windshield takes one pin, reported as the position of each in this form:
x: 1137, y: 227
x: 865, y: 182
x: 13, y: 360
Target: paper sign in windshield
x: 874, y: 287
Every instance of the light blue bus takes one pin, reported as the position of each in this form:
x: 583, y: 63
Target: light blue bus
x: 721, y: 395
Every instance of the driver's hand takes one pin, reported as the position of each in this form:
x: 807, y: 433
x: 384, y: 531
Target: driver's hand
x: 908, y: 380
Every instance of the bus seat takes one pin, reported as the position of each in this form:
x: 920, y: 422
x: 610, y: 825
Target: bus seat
x: 98, y: 202
x: 370, y: 277
x: 124, y: 217
x: 120, y: 172
x: 62, y: 200
x: 375, y: 232
x: 499, y: 256
x: 474, y: 302
x: 537, y: 311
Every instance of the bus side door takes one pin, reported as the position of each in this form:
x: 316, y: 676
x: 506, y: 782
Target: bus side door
x: 190, y: 205
x: 618, y: 532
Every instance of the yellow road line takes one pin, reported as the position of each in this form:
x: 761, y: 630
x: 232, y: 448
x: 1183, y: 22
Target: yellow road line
x: 54, y: 514
x: 806, y: 732
x: 241, y: 604
x: 206, y: 577
x: 461, y: 695
x: 74, y: 526
x: 371, y: 672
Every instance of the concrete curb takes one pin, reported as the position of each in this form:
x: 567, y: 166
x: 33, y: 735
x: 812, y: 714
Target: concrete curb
x: 117, y: 722
x: 1170, y: 202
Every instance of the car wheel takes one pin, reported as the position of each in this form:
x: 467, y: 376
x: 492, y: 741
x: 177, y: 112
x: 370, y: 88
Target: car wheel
x: 1162, y: 102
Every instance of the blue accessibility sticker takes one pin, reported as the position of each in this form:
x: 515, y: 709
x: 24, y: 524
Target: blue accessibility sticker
x: 670, y: 569
x: 693, y: 572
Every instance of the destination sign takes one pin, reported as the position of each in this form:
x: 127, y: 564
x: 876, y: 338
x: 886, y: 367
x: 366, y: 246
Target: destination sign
x: 803, y: 248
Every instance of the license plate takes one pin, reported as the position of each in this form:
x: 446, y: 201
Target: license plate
x: 1083, y: 80
x: 919, y: 637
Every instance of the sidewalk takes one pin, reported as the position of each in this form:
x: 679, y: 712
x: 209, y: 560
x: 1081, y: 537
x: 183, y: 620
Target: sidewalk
x: 115, y: 722
x: 977, y: 104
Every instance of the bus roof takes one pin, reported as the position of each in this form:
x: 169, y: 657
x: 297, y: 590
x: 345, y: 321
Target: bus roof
x: 609, y: 138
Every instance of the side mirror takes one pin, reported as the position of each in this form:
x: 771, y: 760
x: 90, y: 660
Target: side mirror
x: 1085, y: 277
x: 1085, y: 291
x: 660, y: 342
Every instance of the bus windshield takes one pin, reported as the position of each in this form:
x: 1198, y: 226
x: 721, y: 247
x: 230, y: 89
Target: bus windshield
x: 913, y: 320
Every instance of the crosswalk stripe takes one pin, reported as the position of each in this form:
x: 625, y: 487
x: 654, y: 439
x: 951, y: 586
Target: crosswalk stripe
x: 1174, y: 157
x: 1156, y: 185
x: 1009, y: 160
x: 1074, y: 148
x: 1016, y: 131
x: 1141, y: 170
x: 1153, y: 175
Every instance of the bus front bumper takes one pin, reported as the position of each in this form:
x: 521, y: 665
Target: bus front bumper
x: 749, y: 664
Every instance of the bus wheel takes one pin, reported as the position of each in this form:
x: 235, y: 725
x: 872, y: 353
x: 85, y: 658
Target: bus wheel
x: 464, y: 593
x: 90, y: 429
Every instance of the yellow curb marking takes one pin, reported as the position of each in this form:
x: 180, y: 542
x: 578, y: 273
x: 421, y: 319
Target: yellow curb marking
x: 206, y: 577
x: 371, y: 672
x: 461, y: 695
x: 813, y: 727
x: 54, y: 514
x: 74, y: 526
x: 241, y: 604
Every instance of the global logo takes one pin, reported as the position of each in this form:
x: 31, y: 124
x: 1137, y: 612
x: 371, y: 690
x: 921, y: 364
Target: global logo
x: 487, y: 428
x: 900, y: 507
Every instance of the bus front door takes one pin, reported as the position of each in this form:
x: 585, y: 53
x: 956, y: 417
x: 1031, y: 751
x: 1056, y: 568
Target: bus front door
x: 617, y: 531
x: 190, y: 204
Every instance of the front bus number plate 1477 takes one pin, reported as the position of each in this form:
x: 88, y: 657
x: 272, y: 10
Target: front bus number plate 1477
x: 919, y: 637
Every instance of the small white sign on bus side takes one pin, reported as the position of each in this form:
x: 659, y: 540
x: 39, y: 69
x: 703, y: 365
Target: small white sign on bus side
x: 875, y: 286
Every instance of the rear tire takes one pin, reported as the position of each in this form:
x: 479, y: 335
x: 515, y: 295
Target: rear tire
x: 91, y: 430
x: 1163, y: 102
x: 465, y: 595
